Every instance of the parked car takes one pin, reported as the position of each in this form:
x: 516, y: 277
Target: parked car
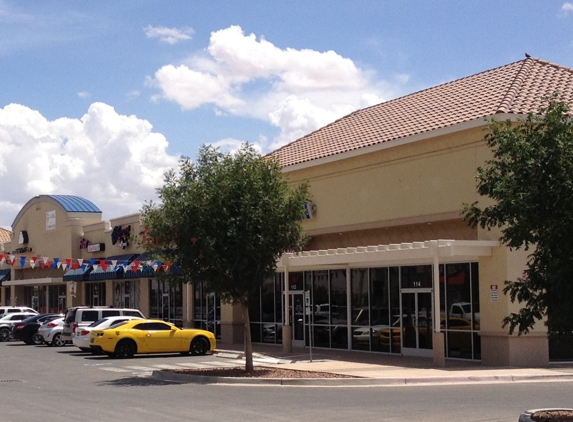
x: 52, y: 332
x: 8, y: 320
x: 82, y: 336
x: 13, y: 309
x: 27, y: 330
x: 82, y: 316
x: 151, y: 336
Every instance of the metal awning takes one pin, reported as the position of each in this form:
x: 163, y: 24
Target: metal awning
x: 34, y: 281
x: 79, y: 274
x: 414, y: 253
x: 4, y: 275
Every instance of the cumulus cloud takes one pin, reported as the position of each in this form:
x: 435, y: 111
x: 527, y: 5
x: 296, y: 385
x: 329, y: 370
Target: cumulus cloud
x: 566, y: 9
x: 116, y: 161
x: 169, y: 35
x: 296, y: 90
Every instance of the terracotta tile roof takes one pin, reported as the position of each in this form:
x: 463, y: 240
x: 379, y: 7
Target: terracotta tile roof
x: 4, y: 235
x: 516, y: 88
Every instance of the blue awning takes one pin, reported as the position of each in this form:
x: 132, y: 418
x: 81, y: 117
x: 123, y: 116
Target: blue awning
x: 145, y: 271
x: 110, y: 273
x: 4, y: 275
x: 80, y: 274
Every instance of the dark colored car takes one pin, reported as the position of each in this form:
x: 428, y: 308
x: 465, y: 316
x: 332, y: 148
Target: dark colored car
x: 27, y: 330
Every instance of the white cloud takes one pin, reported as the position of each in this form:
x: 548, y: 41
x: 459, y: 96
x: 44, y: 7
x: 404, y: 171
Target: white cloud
x: 83, y: 94
x: 295, y: 90
x: 566, y: 9
x: 169, y: 35
x: 231, y: 145
x: 116, y: 161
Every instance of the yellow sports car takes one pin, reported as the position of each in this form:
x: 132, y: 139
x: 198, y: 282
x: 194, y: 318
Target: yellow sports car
x: 150, y: 336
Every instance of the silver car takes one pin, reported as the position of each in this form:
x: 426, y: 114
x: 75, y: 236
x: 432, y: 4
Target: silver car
x: 52, y: 332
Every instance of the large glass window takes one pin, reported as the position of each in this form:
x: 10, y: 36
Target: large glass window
x: 461, y: 312
x: 166, y: 301
x: 206, y: 310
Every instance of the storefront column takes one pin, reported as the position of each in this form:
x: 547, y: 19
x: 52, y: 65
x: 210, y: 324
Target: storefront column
x: 287, y: 328
x: 438, y: 340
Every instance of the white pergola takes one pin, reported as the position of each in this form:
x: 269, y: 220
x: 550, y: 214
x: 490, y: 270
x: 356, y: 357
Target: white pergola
x: 434, y: 252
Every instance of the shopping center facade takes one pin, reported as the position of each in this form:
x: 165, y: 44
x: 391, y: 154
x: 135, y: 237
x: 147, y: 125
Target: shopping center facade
x: 391, y: 267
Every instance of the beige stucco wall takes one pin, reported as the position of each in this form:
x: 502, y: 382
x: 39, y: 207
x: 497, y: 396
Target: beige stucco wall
x: 395, y: 186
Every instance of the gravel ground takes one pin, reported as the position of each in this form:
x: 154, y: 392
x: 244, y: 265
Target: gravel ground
x: 259, y: 372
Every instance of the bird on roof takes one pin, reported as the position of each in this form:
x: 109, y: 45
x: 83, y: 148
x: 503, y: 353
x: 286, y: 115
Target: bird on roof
x: 527, y: 55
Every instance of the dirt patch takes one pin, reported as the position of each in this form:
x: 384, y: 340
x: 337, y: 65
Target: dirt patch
x: 259, y: 372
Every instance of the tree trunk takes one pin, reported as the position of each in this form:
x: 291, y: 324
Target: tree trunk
x: 248, y: 345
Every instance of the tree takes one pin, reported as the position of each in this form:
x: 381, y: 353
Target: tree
x: 228, y: 218
x: 530, y: 179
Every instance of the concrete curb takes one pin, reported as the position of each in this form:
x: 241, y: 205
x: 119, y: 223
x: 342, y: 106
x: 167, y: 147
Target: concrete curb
x: 167, y: 375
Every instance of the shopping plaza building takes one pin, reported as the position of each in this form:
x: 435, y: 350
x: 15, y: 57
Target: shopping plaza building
x: 391, y: 267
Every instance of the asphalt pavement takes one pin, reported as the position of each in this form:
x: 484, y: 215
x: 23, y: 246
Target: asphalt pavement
x: 374, y: 369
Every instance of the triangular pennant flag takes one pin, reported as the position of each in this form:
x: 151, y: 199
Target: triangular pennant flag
x: 81, y: 261
x: 33, y: 261
x: 156, y: 265
x: 103, y: 264
x: 57, y: 262
x: 22, y: 260
x: 76, y: 265
x: 12, y: 260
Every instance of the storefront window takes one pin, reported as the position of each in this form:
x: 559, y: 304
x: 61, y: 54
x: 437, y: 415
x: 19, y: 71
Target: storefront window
x: 338, y: 309
x: 206, y: 310
x: 95, y: 295
x: 165, y: 301
x: 126, y: 294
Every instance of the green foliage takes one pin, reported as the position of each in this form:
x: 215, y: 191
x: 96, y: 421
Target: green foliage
x: 229, y: 218
x: 530, y: 179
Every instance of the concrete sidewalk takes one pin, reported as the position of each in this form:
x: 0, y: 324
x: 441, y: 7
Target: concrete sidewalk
x: 384, y: 369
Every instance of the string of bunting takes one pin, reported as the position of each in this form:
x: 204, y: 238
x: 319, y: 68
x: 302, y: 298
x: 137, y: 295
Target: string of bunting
x: 45, y: 263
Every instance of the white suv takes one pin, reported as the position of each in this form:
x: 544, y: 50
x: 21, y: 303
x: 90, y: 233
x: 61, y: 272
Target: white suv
x: 82, y: 316
x: 10, y: 309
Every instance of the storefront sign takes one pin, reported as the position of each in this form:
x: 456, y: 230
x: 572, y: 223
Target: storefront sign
x: 96, y: 247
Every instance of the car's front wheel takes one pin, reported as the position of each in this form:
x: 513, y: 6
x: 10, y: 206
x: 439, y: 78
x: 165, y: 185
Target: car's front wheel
x: 199, y: 346
x: 4, y: 334
x: 125, y: 349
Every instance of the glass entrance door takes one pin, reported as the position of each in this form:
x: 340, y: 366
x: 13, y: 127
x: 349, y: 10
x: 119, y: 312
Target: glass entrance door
x: 297, y: 317
x: 417, y: 328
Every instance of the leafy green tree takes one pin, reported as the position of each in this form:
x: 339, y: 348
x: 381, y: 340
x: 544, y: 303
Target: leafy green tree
x: 228, y: 218
x: 530, y: 179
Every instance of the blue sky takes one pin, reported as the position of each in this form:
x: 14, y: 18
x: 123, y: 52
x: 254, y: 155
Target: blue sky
x: 99, y: 99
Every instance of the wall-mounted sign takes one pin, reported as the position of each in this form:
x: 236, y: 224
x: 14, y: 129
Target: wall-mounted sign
x: 96, y: 247
x: 309, y: 210
x: 51, y: 220
x: 493, y: 292
x: 23, y: 237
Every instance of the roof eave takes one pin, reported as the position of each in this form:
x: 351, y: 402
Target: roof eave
x: 458, y: 127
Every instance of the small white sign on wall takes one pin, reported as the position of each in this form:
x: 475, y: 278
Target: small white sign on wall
x: 494, y: 292
x: 51, y: 220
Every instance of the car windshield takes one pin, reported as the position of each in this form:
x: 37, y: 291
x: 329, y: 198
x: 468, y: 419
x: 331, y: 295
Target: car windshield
x: 98, y: 322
